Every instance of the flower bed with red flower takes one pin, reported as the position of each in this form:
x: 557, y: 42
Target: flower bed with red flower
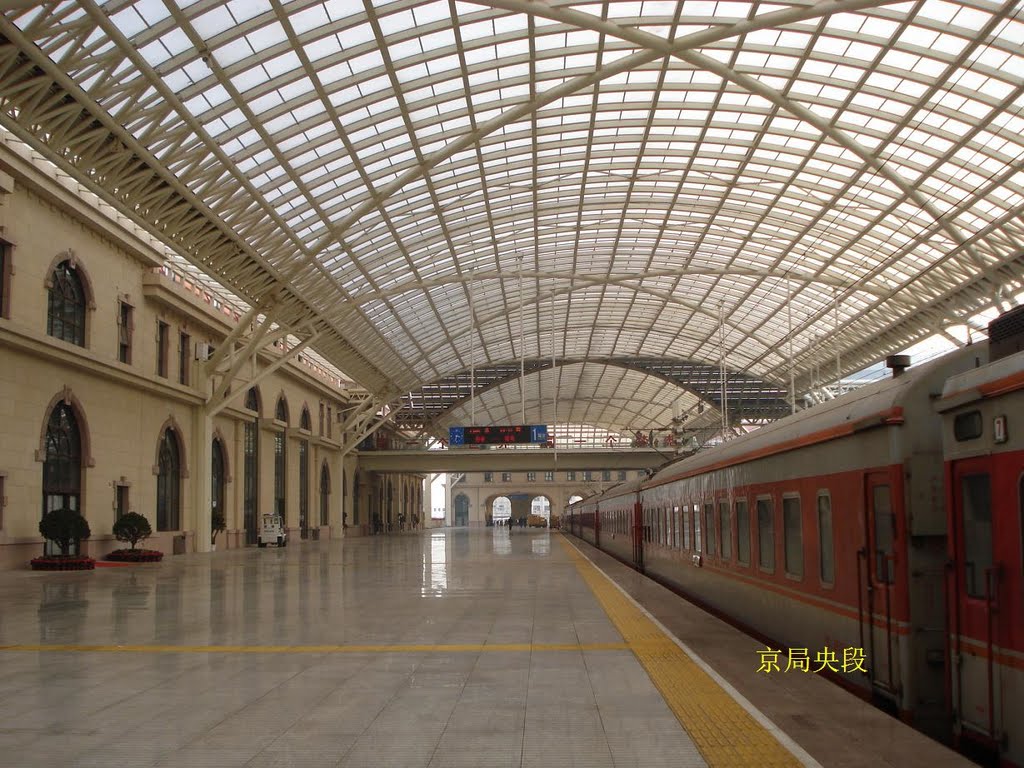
x: 63, y: 563
x: 66, y: 528
x: 135, y: 556
x: 133, y: 528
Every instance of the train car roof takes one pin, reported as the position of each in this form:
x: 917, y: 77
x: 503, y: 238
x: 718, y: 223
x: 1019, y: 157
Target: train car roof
x: 872, y: 405
x: 619, y: 489
x: 996, y: 378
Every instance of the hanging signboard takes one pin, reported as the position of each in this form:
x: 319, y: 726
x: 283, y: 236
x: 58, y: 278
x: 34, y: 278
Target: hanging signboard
x: 495, y: 435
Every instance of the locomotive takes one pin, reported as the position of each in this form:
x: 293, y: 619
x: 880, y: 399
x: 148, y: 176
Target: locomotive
x: 889, y: 520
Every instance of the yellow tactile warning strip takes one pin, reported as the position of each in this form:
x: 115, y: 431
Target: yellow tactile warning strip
x: 455, y: 648
x: 724, y: 732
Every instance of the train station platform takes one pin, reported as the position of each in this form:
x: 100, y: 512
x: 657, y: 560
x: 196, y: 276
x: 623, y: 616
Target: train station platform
x: 450, y: 647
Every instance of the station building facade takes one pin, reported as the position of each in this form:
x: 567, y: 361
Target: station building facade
x: 99, y: 338
x: 475, y: 498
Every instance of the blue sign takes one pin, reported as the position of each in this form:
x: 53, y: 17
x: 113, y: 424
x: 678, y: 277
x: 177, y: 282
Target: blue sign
x: 456, y: 436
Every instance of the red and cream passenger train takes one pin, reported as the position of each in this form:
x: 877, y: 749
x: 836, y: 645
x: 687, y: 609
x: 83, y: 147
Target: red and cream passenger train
x: 888, y: 520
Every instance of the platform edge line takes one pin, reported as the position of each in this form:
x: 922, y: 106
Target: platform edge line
x: 762, y: 719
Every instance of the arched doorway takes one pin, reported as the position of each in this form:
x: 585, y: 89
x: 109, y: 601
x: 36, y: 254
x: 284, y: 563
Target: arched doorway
x: 460, y: 510
x: 62, y: 466
x: 540, y: 506
x: 168, y: 483
x: 501, y: 510
x: 325, y: 494
x: 217, y: 478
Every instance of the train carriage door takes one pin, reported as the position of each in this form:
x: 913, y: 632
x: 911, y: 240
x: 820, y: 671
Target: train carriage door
x: 976, y: 595
x: 638, y: 534
x: 883, y: 585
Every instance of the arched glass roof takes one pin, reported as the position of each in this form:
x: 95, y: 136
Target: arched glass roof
x: 436, y: 185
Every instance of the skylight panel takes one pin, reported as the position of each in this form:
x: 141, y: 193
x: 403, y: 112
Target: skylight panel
x: 243, y: 10
x: 214, y: 22
x: 355, y: 36
x: 308, y: 19
x: 266, y: 37
x: 129, y: 22
x: 397, y: 22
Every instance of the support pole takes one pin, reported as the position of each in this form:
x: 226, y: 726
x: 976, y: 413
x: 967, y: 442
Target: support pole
x: 202, y: 442
x: 554, y: 386
x: 724, y: 377
x: 472, y: 354
x: 522, y: 347
x: 835, y: 341
x: 792, y: 378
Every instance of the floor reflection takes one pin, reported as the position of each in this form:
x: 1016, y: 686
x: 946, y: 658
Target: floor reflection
x: 541, y: 545
x: 435, y: 565
x: 502, y: 540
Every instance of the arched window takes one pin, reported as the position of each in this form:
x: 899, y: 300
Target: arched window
x: 62, y: 466
x: 304, y: 489
x: 281, y: 413
x: 217, y: 477
x: 65, y: 313
x: 168, y: 483
x: 325, y: 495
x: 251, y: 467
x: 280, y: 490
x: 304, y: 421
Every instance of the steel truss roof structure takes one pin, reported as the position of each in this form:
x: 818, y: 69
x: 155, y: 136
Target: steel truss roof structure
x: 447, y: 402
x: 429, y: 187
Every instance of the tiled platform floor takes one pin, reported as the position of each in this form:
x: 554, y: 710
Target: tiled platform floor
x: 449, y: 648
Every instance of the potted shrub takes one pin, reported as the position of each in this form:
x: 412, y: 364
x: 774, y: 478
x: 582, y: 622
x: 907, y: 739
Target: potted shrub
x: 217, y: 524
x: 131, y: 529
x: 64, y: 527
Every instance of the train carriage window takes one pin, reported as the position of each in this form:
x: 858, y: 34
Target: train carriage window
x: 766, y: 534
x: 696, y: 529
x: 742, y: 533
x: 709, y: 529
x: 725, y: 530
x: 675, y: 527
x: 977, y: 511
x: 967, y: 426
x: 885, y: 532
x: 686, y: 527
x: 793, y: 536
x: 827, y: 566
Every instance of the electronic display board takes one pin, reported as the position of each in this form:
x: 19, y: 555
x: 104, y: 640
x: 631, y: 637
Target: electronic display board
x: 495, y: 435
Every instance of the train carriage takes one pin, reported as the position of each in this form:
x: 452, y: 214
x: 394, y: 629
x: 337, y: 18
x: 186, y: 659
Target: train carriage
x: 983, y: 435
x: 889, y: 521
x: 824, y: 531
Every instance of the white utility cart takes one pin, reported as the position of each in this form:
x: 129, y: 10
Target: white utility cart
x: 272, y: 531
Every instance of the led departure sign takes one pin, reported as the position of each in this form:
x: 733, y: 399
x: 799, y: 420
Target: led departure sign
x: 493, y: 435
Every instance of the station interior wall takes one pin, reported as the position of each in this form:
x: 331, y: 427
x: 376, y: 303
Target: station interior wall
x: 124, y: 408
